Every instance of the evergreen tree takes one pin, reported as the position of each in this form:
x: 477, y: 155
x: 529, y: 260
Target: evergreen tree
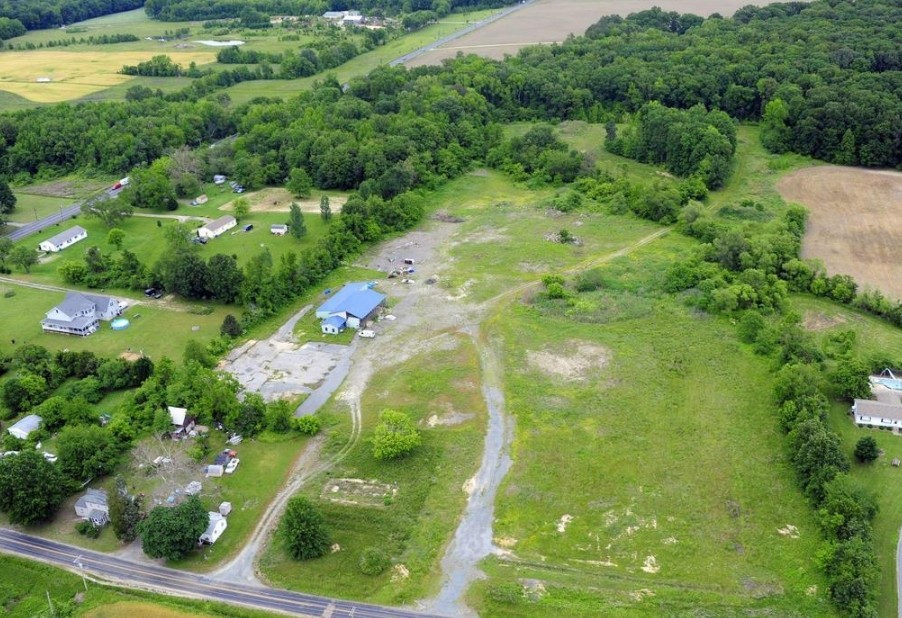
x: 324, y: 210
x: 296, y: 224
x: 7, y: 198
x: 303, y: 531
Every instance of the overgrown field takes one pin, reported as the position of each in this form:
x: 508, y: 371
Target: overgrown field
x: 407, y: 509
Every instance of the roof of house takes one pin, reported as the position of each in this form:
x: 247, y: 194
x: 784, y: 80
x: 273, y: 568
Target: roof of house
x: 221, y: 222
x: 177, y: 415
x: 27, y: 424
x: 336, y: 320
x: 278, y: 226
x: 868, y: 407
x: 355, y: 298
x: 78, y: 323
x: 94, y: 496
x: 77, y: 303
x: 64, y: 237
x: 334, y: 14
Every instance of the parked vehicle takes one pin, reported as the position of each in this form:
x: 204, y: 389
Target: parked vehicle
x: 367, y: 334
x: 232, y: 465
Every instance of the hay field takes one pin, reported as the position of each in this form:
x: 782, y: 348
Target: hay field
x: 855, y: 226
x: 551, y: 21
x: 76, y: 74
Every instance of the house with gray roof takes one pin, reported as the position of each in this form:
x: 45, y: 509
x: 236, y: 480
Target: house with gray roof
x: 870, y: 413
x: 25, y: 426
x: 93, y: 507
x: 64, y: 239
x: 350, y: 307
x: 80, y: 314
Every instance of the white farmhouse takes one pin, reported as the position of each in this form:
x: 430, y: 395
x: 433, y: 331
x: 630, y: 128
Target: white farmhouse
x: 64, y: 239
x: 80, y: 314
x: 93, y: 507
x: 217, y: 227
x: 869, y: 413
x: 214, y: 529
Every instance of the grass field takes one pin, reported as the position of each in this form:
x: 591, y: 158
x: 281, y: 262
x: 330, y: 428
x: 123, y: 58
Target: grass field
x: 413, y: 526
x: 22, y: 315
x: 31, y: 207
x: 76, y: 74
x: 674, y: 481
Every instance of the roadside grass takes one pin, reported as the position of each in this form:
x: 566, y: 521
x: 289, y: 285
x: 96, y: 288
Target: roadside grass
x: 873, y: 337
x: 23, y: 312
x: 415, y: 525
x: 31, y: 207
x: 673, y: 479
x: 72, y: 186
x: 24, y: 586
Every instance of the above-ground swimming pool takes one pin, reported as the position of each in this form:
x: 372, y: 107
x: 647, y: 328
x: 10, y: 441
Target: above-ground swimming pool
x: 119, y: 324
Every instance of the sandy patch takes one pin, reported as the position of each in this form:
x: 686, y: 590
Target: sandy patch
x: 335, y: 548
x: 817, y: 321
x: 638, y: 595
x: 789, y: 531
x: 130, y: 356
x: 469, y: 485
x: 670, y: 541
x: 651, y: 565
x: 358, y: 492
x: 505, y: 541
x: 563, y: 522
x: 279, y: 200
x: 399, y: 573
x: 581, y: 360
x: 855, y: 222
x: 449, y: 419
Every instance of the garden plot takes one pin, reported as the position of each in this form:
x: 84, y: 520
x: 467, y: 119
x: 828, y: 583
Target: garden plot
x: 279, y: 369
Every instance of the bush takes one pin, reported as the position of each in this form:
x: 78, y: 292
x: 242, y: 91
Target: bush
x: 589, y: 280
x: 308, y: 425
x: 86, y: 528
x: 866, y: 450
x: 395, y: 436
x: 373, y: 561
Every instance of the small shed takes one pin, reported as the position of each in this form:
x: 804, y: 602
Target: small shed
x: 334, y: 325
x: 896, y: 462
x: 214, y: 470
x: 23, y: 428
x: 279, y: 229
x: 225, y: 508
x: 201, y: 199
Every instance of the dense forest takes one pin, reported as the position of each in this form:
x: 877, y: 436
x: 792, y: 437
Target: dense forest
x: 182, y: 10
x: 38, y: 14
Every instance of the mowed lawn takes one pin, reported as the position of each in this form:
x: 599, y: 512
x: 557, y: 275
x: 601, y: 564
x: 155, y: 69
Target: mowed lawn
x: 649, y: 475
x: 23, y: 312
x: 414, y: 526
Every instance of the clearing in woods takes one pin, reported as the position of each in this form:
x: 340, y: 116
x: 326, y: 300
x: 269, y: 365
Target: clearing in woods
x: 76, y: 74
x: 551, y: 21
x: 855, y: 225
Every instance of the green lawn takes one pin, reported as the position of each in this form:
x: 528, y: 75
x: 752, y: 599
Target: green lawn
x: 23, y: 313
x: 30, y: 207
x: 413, y: 527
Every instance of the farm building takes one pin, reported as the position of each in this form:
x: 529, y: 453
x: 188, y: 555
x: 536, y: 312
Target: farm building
x: 25, y: 426
x: 80, y: 314
x: 64, y: 239
x: 350, y: 307
x: 279, y: 229
x: 869, y: 413
x: 217, y: 227
x: 214, y: 529
x: 93, y: 507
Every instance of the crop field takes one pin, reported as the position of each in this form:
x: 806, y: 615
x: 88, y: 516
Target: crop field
x: 75, y: 74
x: 406, y: 508
x: 855, y: 225
x: 551, y: 21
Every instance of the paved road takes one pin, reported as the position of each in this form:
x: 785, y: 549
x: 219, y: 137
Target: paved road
x: 451, y: 37
x: 58, y: 217
x: 179, y: 583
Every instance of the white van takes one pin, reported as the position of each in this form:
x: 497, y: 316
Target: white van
x: 367, y: 334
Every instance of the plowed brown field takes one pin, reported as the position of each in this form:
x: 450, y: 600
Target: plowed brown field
x: 855, y: 226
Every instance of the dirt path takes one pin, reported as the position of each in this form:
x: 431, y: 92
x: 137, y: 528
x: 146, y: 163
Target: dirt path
x: 179, y: 218
x: 54, y: 288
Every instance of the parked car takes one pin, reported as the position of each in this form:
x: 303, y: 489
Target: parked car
x: 367, y: 334
x: 232, y: 465
x: 153, y: 293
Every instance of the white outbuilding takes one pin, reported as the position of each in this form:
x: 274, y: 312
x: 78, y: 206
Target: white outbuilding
x: 218, y: 227
x: 214, y: 529
x: 25, y: 426
x: 64, y: 239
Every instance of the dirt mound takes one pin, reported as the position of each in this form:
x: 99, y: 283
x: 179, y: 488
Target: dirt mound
x: 579, y: 362
x: 855, y: 225
x: 279, y: 200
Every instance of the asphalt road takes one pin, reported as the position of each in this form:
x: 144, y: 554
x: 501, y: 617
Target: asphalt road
x: 178, y: 583
x: 58, y: 217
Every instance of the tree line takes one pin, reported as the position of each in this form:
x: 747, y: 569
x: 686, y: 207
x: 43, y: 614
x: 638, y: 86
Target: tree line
x: 39, y: 14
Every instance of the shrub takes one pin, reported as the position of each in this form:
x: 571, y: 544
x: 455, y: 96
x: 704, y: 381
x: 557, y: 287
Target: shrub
x: 373, y: 561
x: 395, y: 436
x: 866, y: 450
x: 308, y: 425
x: 589, y: 280
x: 86, y: 528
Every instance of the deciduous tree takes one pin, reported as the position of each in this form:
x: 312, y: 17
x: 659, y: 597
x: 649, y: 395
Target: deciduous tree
x: 87, y: 452
x: 7, y: 198
x: 115, y: 237
x: 303, y: 530
x: 296, y: 224
x: 395, y: 436
x: 325, y: 211
x: 24, y: 257
x: 125, y: 512
x: 31, y: 488
x: 171, y: 533
x: 299, y: 183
